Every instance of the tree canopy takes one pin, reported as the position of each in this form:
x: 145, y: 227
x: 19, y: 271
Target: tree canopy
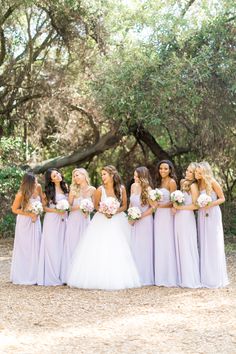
x: 122, y: 82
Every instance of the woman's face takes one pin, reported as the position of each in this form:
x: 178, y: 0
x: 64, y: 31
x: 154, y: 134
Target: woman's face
x: 106, y: 177
x: 189, y: 174
x: 56, y: 177
x: 136, y: 178
x: 79, y: 177
x: 164, y: 170
x: 198, y: 173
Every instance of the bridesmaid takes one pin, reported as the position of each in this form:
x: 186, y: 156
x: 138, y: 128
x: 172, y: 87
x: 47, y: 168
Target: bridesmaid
x: 142, y: 230
x: 77, y: 221
x: 53, y: 230
x: 164, y: 244
x: 210, y: 231
x: 25, y: 257
x: 186, y: 233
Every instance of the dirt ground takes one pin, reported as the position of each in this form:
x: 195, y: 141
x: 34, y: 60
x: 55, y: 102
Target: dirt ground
x: 55, y: 320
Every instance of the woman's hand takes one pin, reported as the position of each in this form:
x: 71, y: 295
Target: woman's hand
x: 34, y: 217
x: 173, y: 210
x: 207, y: 207
x: 131, y: 222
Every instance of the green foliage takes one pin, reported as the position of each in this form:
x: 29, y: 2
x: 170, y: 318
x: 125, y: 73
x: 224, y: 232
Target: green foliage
x: 12, y: 150
x: 7, y: 225
x: 10, y: 179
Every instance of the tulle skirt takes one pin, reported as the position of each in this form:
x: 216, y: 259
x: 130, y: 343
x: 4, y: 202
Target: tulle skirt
x: 103, y: 259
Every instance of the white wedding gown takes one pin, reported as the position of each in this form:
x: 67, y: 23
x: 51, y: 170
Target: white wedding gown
x: 103, y: 259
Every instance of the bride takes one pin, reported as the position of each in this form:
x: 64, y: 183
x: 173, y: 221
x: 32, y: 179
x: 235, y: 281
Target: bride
x: 102, y: 259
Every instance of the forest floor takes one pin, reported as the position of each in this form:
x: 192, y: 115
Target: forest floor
x: 56, y: 320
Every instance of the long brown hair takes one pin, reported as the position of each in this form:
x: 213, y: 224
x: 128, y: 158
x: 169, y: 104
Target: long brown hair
x: 27, y: 188
x: 116, y: 180
x: 145, y: 181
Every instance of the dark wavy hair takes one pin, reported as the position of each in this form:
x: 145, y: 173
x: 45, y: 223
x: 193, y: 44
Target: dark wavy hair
x: 50, y: 189
x: 172, y: 173
x: 116, y: 180
x: 27, y: 188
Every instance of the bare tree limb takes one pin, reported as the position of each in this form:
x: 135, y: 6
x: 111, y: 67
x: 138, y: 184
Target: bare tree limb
x: 90, y: 118
x: 187, y: 6
x: 107, y: 141
x: 145, y: 136
x: 8, y: 13
x: 3, y: 46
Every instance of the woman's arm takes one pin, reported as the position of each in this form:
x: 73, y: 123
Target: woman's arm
x: 92, y: 194
x: 40, y: 191
x: 123, y: 206
x: 97, y: 197
x: 16, y: 208
x: 71, y: 198
x: 219, y: 192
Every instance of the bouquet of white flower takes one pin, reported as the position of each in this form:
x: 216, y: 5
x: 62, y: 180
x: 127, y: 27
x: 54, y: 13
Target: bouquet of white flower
x: 204, y: 200
x: 134, y: 213
x: 177, y: 197
x: 86, y: 206
x: 109, y: 206
x: 36, y: 208
x: 63, y: 205
x: 155, y: 195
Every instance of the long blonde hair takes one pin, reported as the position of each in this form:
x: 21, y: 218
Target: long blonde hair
x: 207, y: 175
x: 185, y: 183
x: 75, y: 188
x: 145, y: 181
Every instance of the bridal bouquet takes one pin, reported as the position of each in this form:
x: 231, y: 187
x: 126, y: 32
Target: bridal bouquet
x: 155, y: 194
x: 36, y: 208
x: 109, y: 206
x: 134, y: 213
x: 204, y: 200
x: 86, y: 206
x: 63, y: 205
x: 177, y: 197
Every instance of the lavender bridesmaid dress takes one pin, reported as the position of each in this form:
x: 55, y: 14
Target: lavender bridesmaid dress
x: 142, y: 243
x: 76, y: 225
x: 164, y: 245
x: 187, y: 256
x: 25, y: 256
x: 211, y: 242
x: 51, y: 249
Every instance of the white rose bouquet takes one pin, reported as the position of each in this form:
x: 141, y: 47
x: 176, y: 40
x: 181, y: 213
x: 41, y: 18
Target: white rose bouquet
x: 63, y: 205
x: 109, y: 206
x: 86, y: 206
x: 155, y: 195
x: 177, y: 197
x: 36, y: 208
x: 204, y: 200
x: 134, y: 213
